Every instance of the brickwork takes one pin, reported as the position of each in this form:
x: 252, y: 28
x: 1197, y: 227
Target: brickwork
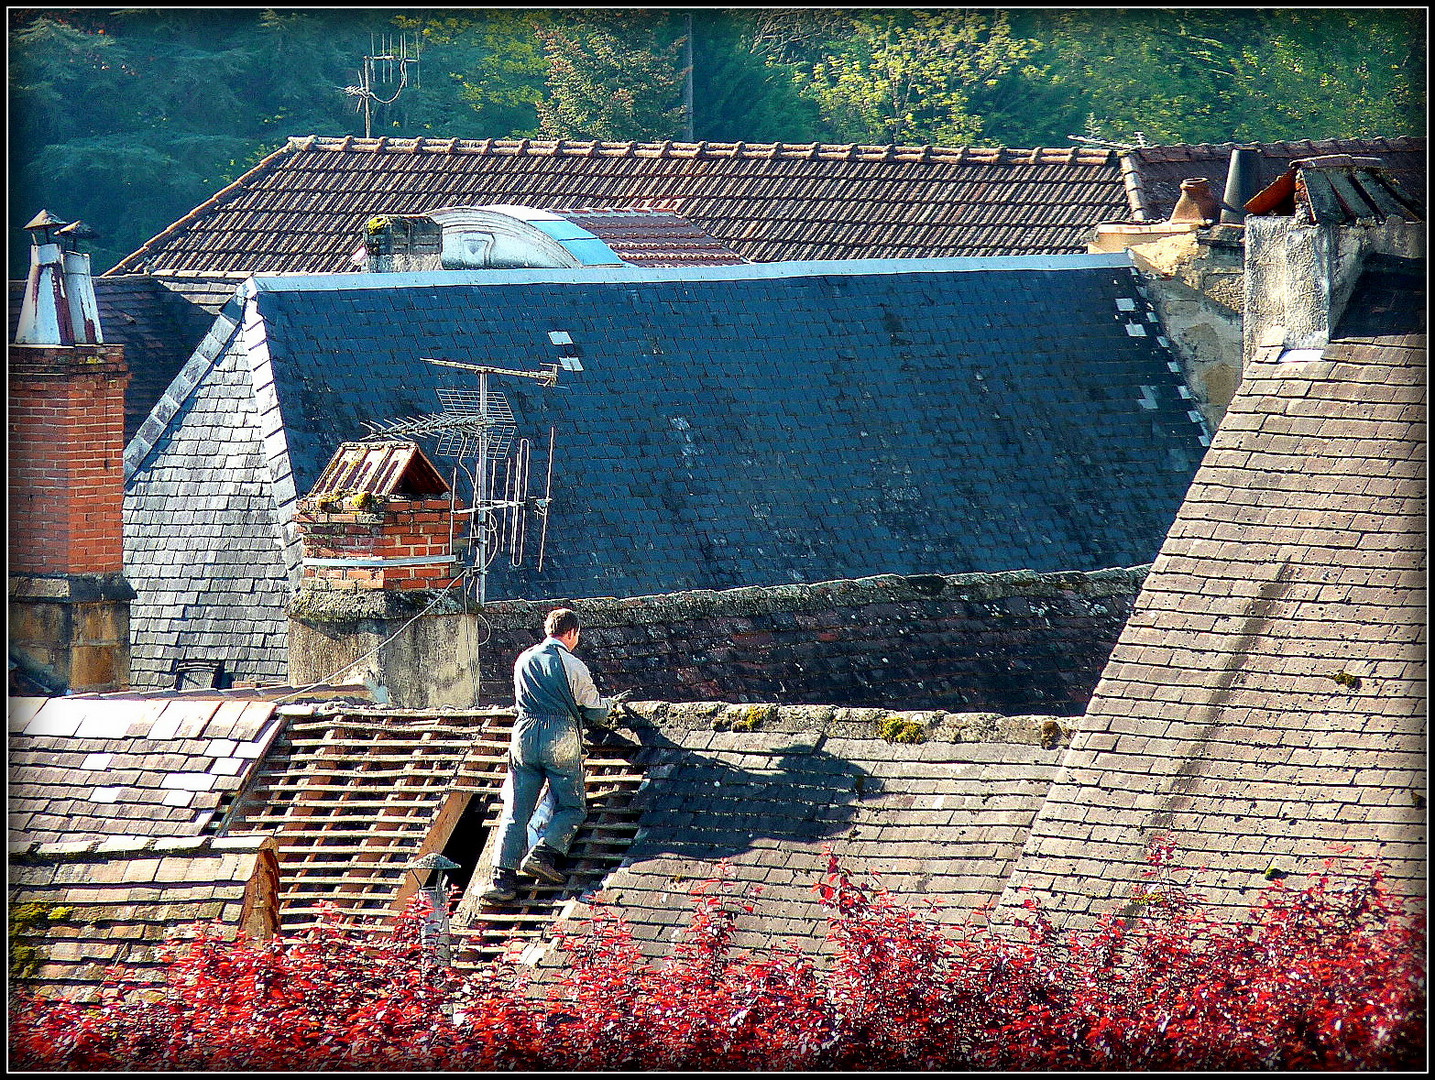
x: 66, y: 458
x: 391, y: 527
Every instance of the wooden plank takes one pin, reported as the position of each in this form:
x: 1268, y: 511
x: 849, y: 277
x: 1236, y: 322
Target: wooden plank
x: 1353, y: 199
x: 1386, y: 202
x: 1324, y: 206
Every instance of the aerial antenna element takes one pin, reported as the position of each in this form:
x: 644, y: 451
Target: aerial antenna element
x: 388, y: 64
x: 479, y: 425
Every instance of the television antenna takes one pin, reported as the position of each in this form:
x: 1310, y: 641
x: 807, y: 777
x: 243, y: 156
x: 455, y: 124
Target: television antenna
x: 479, y: 425
x: 388, y: 64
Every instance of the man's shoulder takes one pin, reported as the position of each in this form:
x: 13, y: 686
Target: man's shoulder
x: 543, y: 646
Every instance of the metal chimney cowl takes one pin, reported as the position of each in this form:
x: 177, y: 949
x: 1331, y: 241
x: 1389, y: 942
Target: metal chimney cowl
x: 1241, y: 181
x: 59, y: 306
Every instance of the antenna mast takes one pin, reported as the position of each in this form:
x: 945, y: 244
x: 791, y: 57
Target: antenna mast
x: 387, y: 58
x: 480, y: 424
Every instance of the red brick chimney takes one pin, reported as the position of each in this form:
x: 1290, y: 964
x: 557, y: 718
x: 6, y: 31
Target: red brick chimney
x: 69, y: 600
x: 380, y: 517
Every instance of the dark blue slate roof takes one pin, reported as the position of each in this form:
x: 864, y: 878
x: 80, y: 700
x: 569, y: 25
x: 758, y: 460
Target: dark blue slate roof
x: 758, y: 425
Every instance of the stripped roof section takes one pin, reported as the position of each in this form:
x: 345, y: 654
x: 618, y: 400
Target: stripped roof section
x: 354, y: 797
x: 1337, y: 189
x: 1157, y: 171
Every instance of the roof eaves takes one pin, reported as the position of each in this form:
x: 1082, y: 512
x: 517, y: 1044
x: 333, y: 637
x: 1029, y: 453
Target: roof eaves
x: 592, y: 275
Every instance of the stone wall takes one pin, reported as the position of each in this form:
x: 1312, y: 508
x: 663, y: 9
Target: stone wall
x: 1010, y: 643
x: 1195, y: 278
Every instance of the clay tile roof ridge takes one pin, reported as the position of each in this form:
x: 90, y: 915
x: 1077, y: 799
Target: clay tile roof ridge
x: 920, y: 152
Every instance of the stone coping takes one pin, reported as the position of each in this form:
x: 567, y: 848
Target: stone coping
x: 315, y: 606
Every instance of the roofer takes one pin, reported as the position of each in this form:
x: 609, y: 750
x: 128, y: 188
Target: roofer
x: 555, y: 698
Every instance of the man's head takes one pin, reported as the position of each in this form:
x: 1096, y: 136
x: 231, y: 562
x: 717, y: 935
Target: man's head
x: 562, y: 623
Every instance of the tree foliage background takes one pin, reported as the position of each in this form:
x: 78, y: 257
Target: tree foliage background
x: 129, y: 118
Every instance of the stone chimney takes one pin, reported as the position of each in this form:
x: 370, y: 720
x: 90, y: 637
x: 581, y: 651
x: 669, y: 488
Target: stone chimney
x: 1307, y: 235
x: 402, y: 243
x: 69, y: 600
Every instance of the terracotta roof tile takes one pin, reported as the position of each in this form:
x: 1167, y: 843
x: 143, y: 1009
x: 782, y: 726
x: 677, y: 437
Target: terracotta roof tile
x: 331, y: 185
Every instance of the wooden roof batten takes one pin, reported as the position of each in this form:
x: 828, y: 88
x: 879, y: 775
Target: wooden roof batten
x: 353, y: 797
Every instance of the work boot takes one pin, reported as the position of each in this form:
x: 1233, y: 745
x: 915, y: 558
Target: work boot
x: 503, y: 887
x: 542, y: 863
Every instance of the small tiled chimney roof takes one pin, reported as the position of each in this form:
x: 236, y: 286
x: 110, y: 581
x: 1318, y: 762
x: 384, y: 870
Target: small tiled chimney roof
x: 1336, y: 189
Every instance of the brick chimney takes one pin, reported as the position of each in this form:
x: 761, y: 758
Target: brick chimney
x: 69, y: 600
x: 380, y: 517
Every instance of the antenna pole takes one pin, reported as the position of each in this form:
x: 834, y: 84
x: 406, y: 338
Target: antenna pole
x: 482, y: 516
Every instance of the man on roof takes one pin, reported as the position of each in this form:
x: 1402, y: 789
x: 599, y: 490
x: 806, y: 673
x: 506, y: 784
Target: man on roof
x: 555, y: 698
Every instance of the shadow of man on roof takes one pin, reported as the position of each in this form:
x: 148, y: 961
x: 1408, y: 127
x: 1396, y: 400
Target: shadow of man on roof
x: 788, y: 789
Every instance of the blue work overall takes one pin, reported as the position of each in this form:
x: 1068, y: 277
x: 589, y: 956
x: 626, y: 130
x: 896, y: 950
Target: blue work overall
x: 547, y: 745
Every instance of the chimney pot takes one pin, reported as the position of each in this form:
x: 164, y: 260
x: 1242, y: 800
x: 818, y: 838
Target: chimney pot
x: 1240, y: 185
x: 1196, y: 202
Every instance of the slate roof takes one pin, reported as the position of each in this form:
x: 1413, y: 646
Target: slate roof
x: 302, y: 208
x: 79, y: 908
x: 951, y: 416
x: 941, y: 821
x: 105, y: 767
x: 346, y: 797
x: 1265, y: 707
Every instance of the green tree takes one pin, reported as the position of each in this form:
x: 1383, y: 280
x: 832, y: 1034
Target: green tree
x: 740, y: 92
x: 1253, y: 75
x: 914, y: 76
x: 484, y: 73
x: 613, y: 75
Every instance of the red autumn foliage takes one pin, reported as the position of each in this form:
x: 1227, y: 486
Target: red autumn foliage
x: 1331, y: 976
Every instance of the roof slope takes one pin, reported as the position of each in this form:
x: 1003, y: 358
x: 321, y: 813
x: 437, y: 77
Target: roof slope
x: 78, y: 908
x: 106, y: 767
x: 303, y: 207
x: 731, y: 425
x: 157, y: 324
x: 1265, y: 705
x: 1157, y: 171
x: 942, y: 820
x: 652, y: 237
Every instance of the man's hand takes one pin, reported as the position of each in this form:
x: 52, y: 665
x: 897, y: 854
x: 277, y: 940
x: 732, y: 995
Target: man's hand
x: 621, y: 697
